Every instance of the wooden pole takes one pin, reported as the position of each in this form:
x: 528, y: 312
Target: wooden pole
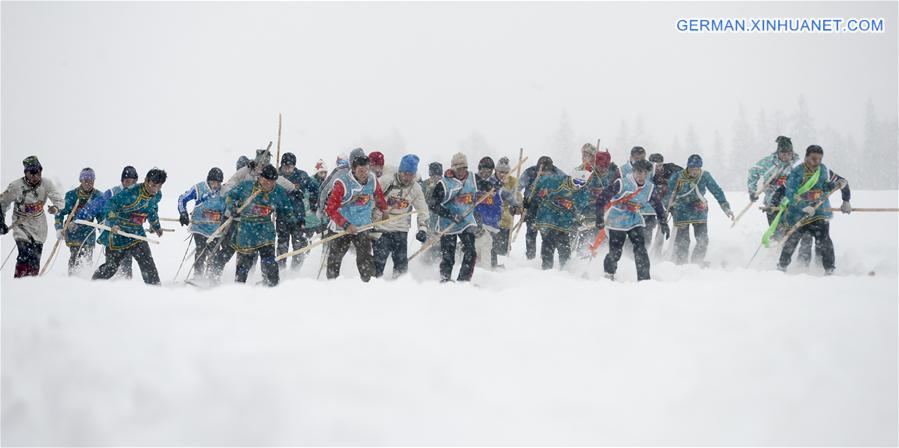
x: 529, y: 198
x: 278, y: 158
x: 59, y: 240
x: 303, y: 250
x: 757, y: 193
x: 109, y: 229
x: 437, y: 237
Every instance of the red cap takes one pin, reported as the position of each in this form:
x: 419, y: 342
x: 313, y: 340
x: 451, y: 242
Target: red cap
x: 603, y: 159
x: 376, y: 158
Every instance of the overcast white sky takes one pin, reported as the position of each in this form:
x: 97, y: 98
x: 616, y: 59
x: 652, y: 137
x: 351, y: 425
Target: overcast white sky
x: 186, y: 86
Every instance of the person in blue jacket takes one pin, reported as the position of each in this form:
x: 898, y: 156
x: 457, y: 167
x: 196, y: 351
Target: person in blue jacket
x: 80, y: 239
x: 687, y: 204
x: 296, y: 232
x: 208, y: 215
x: 558, y: 199
x: 96, y: 210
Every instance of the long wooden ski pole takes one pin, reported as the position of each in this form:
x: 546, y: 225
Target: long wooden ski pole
x: 215, y: 238
x: 798, y: 224
x: 303, y: 250
x: 55, y: 250
x: 437, y: 237
x: 758, y: 193
x: 529, y: 198
x: 278, y: 158
x: 11, y: 250
x: 109, y: 229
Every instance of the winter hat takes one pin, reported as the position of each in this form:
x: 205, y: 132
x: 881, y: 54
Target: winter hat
x: 409, y: 163
x: 636, y: 150
x: 358, y: 152
x: 155, y: 175
x: 129, y: 173
x: 360, y: 161
x: 588, y: 148
x: 242, y: 161
x: 694, y: 161
x: 215, y: 174
x: 288, y: 159
x: 814, y: 149
x: 486, y: 162
x: 545, y: 162
x: 459, y: 161
x: 656, y: 158
x: 269, y: 172
x: 31, y: 163
x: 603, y: 159
x: 376, y: 158
x: 86, y: 174
x: 320, y: 167
x: 642, y: 165
x: 784, y: 144
x: 435, y: 169
x: 503, y: 165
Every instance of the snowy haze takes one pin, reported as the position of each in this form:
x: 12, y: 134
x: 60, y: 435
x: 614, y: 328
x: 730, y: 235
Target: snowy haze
x: 187, y: 86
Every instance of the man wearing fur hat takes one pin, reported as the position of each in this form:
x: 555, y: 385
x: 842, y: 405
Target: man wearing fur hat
x: 29, y: 194
x: 452, y: 198
x: 402, y: 193
x: 80, y: 239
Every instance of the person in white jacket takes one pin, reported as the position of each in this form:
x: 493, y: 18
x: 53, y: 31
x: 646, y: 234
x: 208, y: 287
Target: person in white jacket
x: 402, y: 193
x: 29, y: 194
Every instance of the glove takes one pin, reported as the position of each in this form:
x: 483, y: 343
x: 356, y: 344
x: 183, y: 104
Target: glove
x: 753, y: 197
x: 183, y: 219
x: 53, y: 209
x: 663, y: 227
x: 235, y: 213
x: 729, y: 213
x: 3, y: 229
x: 808, y: 210
x: 60, y: 234
x: 158, y: 231
x: 421, y: 236
x: 846, y: 208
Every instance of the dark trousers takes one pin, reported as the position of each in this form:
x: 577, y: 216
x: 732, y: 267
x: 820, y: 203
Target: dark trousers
x: 141, y: 254
x: 530, y: 240
x: 805, y: 243
x: 820, y: 231
x: 28, y: 258
x: 651, y: 224
x: 682, y: 243
x: 448, y: 256
x: 339, y: 247
x: 395, y: 244
x: 616, y: 245
x: 245, y: 262
x: 288, y: 233
x: 203, y: 253
x: 220, y: 254
x: 79, y: 256
x: 554, y: 240
x: 500, y: 246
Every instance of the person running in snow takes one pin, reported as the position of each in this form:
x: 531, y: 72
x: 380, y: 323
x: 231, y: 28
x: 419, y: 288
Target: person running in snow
x: 313, y: 222
x: 649, y: 216
x: 435, y: 173
x: 353, y: 195
x: 29, y: 226
x: 126, y: 212
x: 342, y: 168
x: 452, y: 198
x: 662, y: 173
x: 303, y: 186
x: 402, y: 193
x: 511, y: 207
x: 208, y: 215
x: 559, y: 199
x: 688, y: 206
x: 804, y: 198
x: 774, y: 169
x: 96, y: 210
x: 254, y: 230
x: 80, y: 239
x: 488, y: 213
x: 624, y: 219
x: 544, y: 167
x: 604, y: 172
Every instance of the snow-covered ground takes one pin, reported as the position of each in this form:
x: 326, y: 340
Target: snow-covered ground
x: 718, y: 356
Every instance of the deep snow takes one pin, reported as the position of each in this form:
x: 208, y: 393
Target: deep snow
x: 717, y: 356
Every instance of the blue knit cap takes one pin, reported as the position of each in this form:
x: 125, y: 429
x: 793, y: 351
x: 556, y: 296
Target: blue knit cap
x: 409, y: 164
x: 694, y: 161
